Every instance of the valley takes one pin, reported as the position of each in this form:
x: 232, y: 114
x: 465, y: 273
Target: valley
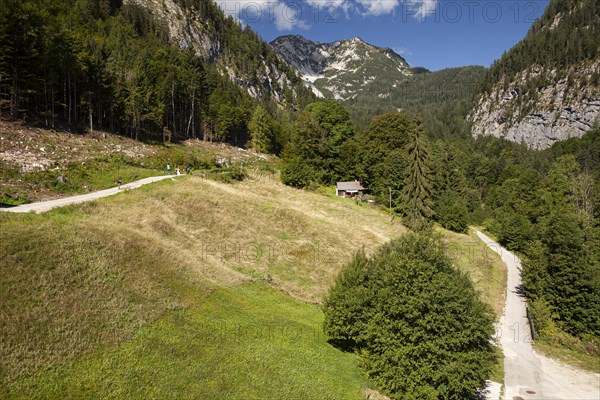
x: 189, y: 281
x: 341, y: 225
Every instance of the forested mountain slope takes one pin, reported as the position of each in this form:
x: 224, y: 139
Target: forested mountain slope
x: 238, y: 51
x: 370, y: 80
x: 547, y: 87
x: 440, y: 98
x: 139, y: 67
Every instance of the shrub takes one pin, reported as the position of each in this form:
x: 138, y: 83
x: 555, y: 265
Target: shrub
x: 297, y: 173
x: 451, y: 213
x: 418, y: 323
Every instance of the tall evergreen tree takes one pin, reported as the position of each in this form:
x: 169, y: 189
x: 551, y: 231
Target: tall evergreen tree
x: 417, y: 206
x: 418, y: 323
x: 383, y: 158
x: 260, y: 130
x: 321, y: 136
x: 338, y: 129
x: 302, y: 159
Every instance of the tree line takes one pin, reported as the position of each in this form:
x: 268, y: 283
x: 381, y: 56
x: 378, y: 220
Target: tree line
x: 543, y: 204
x: 417, y: 176
x: 101, y: 64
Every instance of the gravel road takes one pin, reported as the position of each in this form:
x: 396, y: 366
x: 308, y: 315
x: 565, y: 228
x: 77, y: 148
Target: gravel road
x: 49, y: 205
x: 528, y: 374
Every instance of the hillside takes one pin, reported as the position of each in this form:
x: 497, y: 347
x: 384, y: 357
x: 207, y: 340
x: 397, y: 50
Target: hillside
x: 32, y: 159
x: 190, y: 288
x: 141, y: 68
x: 547, y: 87
x: 440, y: 98
x: 239, y: 53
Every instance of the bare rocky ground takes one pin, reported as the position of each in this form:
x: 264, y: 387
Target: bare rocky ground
x: 26, y: 150
x: 30, y: 148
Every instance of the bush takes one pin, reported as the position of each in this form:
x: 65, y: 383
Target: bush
x: 418, y: 323
x: 451, y: 213
x: 228, y: 175
x: 297, y: 173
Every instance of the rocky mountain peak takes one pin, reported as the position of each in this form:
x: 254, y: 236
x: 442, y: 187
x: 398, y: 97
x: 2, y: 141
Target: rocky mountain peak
x: 342, y: 68
x: 190, y: 29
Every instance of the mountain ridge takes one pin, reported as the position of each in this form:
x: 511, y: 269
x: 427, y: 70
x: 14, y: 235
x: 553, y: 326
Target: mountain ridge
x: 339, y: 69
x: 547, y: 87
x: 195, y: 27
x: 371, y: 80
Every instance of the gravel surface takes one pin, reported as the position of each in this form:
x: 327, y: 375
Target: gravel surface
x: 528, y: 374
x: 49, y: 205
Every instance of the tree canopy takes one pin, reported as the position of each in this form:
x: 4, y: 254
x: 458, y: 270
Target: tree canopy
x: 416, y: 321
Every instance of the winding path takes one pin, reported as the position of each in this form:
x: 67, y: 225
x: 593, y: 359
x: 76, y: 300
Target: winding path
x: 49, y: 205
x: 527, y: 374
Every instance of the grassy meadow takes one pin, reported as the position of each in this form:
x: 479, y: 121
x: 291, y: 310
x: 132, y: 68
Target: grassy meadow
x: 189, y: 288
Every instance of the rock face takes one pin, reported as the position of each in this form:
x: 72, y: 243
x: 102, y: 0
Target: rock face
x: 308, y: 57
x: 341, y: 69
x: 190, y: 31
x: 547, y: 87
x: 556, y: 111
x: 185, y: 30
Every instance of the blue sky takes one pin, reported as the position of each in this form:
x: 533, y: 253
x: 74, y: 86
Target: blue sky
x: 435, y: 34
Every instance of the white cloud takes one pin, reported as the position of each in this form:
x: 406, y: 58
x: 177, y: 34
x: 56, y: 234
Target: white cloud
x: 330, y: 7
x: 289, y: 14
x: 418, y: 9
x: 378, y: 7
x: 325, y: 3
x: 285, y: 17
x: 403, y: 51
x: 424, y: 8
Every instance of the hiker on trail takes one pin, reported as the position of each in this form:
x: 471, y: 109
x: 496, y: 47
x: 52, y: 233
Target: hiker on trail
x: 168, y: 168
x: 119, y: 183
x: 188, y: 168
x: 177, y: 172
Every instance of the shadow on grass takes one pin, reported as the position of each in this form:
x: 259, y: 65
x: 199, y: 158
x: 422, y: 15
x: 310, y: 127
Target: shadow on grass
x: 346, y: 345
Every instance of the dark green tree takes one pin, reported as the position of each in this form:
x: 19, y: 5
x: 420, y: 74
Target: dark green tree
x: 382, y: 155
x: 302, y: 160
x: 417, y: 322
x: 562, y: 269
x: 451, y: 212
x: 416, y: 196
x: 321, y: 139
x: 335, y: 120
x: 261, y: 132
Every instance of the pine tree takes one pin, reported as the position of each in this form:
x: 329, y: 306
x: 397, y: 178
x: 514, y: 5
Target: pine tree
x: 382, y: 159
x: 260, y: 130
x: 302, y: 162
x: 417, y: 207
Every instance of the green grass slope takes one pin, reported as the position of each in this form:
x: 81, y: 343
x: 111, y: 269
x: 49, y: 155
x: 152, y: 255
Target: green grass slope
x: 187, y: 288
x: 248, y: 343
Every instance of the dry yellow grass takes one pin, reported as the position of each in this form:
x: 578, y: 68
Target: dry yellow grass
x: 89, y: 276
x: 486, y: 269
x: 256, y: 229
